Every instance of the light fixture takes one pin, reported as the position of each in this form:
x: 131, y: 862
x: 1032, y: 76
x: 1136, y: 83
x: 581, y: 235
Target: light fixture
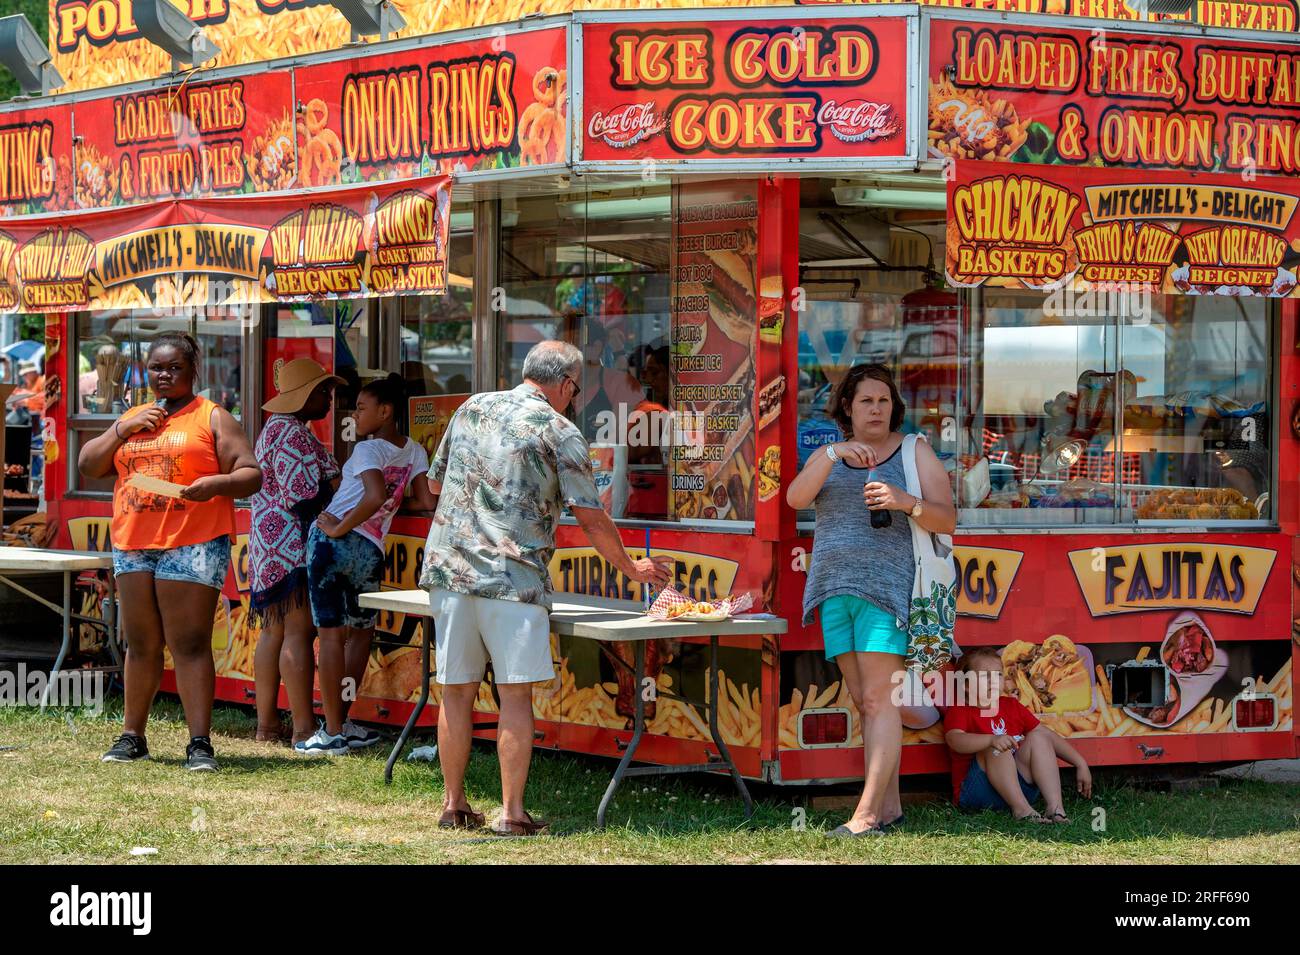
x: 1162, y: 7
x: 643, y: 207
x: 370, y: 17
x: 174, y: 33
x: 1060, y: 453
x: 853, y: 195
x: 26, y: 56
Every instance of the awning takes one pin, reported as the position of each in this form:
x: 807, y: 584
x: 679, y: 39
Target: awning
x: 1094, y: 229
x: 349, y: 242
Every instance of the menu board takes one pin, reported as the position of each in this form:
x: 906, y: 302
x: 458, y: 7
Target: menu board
x: 714, y: 332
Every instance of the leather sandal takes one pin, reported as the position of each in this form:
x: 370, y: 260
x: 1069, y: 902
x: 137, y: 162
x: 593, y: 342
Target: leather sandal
x: 461, y: 819
x: 520, y: 827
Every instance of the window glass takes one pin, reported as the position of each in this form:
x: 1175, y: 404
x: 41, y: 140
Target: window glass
x: 872, y: 295
x: 591, y: 268
x: 436, y: 347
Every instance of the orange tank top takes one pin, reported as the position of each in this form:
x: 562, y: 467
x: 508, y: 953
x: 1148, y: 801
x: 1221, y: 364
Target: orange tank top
x: 182, y: 450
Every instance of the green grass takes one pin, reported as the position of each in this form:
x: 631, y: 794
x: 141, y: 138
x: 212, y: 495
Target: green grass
x: 58, y: 803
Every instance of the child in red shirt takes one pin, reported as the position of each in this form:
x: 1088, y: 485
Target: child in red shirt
x: 1002, y: 757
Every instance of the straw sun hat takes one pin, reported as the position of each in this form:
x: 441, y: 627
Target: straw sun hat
x: 297, y: 380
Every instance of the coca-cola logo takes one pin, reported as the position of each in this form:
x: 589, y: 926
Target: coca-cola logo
x: 858, y: 120
x: 625, y: 125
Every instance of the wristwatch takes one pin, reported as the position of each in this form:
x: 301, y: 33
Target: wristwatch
x: 915, y: 512
x: 830, y: 452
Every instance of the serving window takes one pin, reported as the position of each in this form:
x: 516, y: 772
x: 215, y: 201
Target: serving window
x: 107, y: 373
x: 1047, y: 409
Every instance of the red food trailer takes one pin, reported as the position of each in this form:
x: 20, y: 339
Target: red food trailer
x: 1073, y: 239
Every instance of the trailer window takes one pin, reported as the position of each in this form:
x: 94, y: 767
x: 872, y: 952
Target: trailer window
x: 1114, y: 408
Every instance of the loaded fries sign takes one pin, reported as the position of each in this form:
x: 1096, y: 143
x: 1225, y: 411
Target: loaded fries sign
x: 388, y: 239
x: 695, y: 89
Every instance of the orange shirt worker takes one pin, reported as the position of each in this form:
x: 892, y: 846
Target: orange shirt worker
x: 170, y: 555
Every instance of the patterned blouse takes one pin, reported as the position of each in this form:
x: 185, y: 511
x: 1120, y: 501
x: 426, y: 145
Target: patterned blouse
x: 509, y: 464
x: 296, y: 471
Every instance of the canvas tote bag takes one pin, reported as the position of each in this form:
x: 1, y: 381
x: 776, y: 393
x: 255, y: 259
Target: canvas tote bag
x: 932, y: 613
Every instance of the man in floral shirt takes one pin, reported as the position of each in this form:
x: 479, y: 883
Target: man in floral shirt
x: 508, y: 464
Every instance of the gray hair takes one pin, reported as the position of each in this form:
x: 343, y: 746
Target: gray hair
x: 548, y: 362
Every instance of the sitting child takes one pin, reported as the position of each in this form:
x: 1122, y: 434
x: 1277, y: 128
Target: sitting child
x: 1002, y: 757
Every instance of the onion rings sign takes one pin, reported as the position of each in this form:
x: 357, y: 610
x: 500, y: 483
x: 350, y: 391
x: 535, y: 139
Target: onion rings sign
x: 1038, y: 227
x: 389, y: 239
x: 693, y: 89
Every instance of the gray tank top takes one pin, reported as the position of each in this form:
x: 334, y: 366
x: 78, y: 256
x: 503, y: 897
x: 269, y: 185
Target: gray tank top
x: 852, y: 557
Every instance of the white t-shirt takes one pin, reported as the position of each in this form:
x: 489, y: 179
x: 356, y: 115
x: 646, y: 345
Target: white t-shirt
x: 399, y: 466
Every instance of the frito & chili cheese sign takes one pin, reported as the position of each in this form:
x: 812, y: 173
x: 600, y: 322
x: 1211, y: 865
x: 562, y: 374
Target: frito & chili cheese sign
x: 1174, y: 575
x: 386, y: 239
x: 1038, y: 227
x: 1138, y: 100
x: 696, y: 89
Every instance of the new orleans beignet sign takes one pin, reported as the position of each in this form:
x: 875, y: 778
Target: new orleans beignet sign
x: 695, y: 89
x: 388, y: 239
x: 1171, y: 232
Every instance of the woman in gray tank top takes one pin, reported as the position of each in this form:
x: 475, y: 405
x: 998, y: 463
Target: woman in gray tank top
x: 861, y: 573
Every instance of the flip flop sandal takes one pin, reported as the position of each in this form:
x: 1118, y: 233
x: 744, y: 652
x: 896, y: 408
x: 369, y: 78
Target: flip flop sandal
x: 1058, y: 818
x: 844, y: 832
x: 1034, y: 817
x: 461, y: 819
x: 895, y: 823
x: 521, y: 827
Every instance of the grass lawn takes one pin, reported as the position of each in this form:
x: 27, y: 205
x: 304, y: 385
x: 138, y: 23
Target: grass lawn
x: 58, y: 803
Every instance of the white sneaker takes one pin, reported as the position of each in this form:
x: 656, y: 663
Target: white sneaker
x: 359, y: 737
x: 321, y: 743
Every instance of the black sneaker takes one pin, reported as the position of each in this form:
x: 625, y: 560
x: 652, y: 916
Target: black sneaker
x: 128, y: 748
x: 200, y: 756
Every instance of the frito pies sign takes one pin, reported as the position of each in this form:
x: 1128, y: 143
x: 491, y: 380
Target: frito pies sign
x: 736, y: 90
x: 1173, y: 575
x: 385, y: 239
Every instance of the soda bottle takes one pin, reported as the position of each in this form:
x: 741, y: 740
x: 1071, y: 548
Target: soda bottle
x: 879, y: 519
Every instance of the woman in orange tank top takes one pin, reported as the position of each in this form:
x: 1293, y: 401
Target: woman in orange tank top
x: 171, y: 553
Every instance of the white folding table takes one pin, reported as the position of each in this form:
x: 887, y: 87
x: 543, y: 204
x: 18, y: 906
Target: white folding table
x: 35, y: 562
x: 598, y: 618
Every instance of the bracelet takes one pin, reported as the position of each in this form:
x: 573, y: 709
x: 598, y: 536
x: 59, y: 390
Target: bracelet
x: 117, y: 434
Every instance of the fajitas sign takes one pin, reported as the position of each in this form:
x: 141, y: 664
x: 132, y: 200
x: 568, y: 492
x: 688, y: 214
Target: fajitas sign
x: 1111, y: 228
x: 1179, y: 575
x: 701, y: 90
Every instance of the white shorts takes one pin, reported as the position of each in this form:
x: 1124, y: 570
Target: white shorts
x: 469, y: 631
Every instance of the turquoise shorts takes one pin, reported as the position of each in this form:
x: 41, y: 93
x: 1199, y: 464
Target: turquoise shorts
x: 853, y: 625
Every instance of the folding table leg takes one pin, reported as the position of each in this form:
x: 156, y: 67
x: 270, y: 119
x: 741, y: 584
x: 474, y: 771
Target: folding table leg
x: 714, y: 702
x: 67, y: 638
x: 638, y: 726
x: 419, y: 706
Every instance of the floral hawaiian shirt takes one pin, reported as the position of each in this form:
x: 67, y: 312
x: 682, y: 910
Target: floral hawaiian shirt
x: 508, y: 463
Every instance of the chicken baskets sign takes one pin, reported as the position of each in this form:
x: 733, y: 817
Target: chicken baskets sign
x: 1039, y: 228
x: 390, y: 239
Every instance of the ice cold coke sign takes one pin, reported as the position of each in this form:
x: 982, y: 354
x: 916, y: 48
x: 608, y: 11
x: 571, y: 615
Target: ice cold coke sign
x: 697, y: 90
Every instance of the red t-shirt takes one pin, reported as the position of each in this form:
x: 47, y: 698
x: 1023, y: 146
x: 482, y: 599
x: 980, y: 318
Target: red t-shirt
x: 1012, y: 719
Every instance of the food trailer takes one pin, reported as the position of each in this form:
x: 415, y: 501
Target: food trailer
x: 1073, y: 239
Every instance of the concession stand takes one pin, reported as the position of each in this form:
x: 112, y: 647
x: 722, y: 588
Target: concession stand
x: 1070, y: 230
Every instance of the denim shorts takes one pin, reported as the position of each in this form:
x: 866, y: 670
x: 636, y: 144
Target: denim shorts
x: 192, y: 564
x: 853, y: 625
x: 338, y: 572
x: 977, y: 790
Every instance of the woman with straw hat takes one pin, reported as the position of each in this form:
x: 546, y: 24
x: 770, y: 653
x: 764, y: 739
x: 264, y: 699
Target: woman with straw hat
x: 299, y: 479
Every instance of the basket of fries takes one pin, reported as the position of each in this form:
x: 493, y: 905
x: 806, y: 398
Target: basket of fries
x: 674, y: 605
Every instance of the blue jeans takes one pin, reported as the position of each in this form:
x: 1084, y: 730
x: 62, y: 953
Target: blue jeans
x: 338, y: 573
x: 977, y: 790
x: 204, y: 563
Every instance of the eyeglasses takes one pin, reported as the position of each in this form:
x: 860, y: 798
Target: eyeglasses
x: 577, y: 388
